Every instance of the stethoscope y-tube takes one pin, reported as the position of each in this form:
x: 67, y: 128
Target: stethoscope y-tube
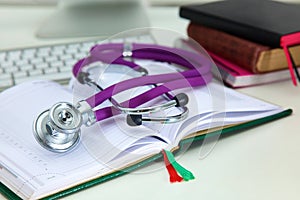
x: 58, y: 129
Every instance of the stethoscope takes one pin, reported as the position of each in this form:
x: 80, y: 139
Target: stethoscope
x: 58, y: 128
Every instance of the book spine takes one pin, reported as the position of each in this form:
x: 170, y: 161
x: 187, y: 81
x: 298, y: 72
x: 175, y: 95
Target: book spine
x: 237, y: 50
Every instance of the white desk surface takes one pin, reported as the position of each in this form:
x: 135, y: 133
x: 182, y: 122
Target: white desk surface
x: 261, y: 163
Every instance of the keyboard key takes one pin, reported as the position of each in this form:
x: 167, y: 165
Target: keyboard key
x: 5, y: 77
x: 26, y: 67
x: 6, y: 64
x: 20, y: 74
x: 29, y: 53
x: 57, y: 52
x: 21, y: 62
x: 11, y: 69
x: 14, y: 55
x: 88, y: 44
x: 71, y: 51
x: 74, y: 46
x: 80, y: 56
x: 42, y: 65
x: 52, y: 76
x: 42, y: 53
x: 51, y: 59
x: 56, y: 64
x: 65, y: 69
x: 65, y: 57
x: 70, y: 62
x: 35, y: 72
x: 50, y: 70
x: 84, y: 49
x: 36, y: 60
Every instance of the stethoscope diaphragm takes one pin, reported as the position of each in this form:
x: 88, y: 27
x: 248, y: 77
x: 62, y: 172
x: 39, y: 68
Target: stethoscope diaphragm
x: 52, y: 137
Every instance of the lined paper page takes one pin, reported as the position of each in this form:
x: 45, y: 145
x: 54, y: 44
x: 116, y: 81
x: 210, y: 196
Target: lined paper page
x: 215, y: 106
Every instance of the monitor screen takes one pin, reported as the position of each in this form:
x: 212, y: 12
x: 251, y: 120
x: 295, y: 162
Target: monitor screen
x: 103, y: 18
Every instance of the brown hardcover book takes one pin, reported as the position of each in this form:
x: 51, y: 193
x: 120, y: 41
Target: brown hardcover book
x: 247, y: 54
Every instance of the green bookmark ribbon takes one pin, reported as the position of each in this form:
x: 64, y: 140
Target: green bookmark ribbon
x: 186, y: 174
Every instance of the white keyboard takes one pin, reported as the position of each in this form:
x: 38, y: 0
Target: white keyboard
x: 47, y: 62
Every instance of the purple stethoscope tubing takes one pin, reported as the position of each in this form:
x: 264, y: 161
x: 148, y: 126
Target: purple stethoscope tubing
x: 58, y: 129
x: 198, y: 72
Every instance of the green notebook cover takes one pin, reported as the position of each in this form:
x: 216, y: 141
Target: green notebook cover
x: 228, y: 130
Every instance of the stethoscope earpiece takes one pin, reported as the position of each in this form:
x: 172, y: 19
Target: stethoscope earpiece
x: 134, y: 120
x: 181, y: 100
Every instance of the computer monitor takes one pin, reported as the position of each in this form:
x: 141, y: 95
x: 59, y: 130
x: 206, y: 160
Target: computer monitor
x: 101, y: 18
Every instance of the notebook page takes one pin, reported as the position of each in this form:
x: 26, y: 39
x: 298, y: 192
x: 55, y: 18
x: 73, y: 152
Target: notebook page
x: 214, y: 105
x: 27, y: 160
x: 231, y: 108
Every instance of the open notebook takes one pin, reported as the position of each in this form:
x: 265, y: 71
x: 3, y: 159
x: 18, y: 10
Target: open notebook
x: 111, y: 147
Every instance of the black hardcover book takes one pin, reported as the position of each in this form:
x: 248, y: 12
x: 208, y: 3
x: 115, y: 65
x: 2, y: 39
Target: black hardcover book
x: 261, y: 21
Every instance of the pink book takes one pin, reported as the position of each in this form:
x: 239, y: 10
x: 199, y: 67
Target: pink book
x: 235, y: 76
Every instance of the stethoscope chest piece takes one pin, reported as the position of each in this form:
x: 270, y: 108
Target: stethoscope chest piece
x: 58, y: 129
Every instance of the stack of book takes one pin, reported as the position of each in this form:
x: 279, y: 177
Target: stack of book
x: 247, y: 39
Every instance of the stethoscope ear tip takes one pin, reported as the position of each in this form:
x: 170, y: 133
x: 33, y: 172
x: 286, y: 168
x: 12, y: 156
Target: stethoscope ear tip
x: 134, y: 120
x: 181, y: 99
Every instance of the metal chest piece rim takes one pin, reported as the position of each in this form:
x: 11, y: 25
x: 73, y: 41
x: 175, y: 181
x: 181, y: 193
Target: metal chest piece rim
x: 58, y: 137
